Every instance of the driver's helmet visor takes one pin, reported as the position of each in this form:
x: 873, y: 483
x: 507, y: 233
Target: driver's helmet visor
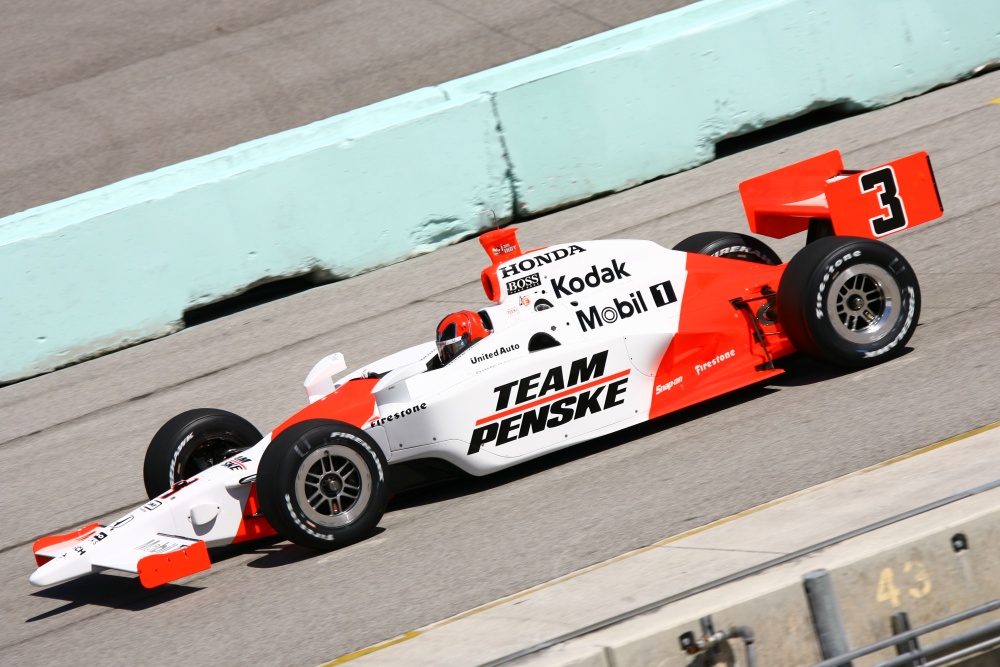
x: 449, y: 349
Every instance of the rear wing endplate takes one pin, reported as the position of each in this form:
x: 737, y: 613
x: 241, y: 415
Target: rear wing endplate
x: 871, y: 203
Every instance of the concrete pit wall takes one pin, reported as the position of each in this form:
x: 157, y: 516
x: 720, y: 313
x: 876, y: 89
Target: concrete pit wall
x: 910, y: 566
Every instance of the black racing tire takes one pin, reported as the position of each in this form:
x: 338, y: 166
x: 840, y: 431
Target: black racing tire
x: 323, y: 484
x: 191, y: 442
x: 849, y: 301
x: 730, y: 245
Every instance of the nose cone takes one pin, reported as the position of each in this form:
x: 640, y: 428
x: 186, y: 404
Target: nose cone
x: 68, y: 566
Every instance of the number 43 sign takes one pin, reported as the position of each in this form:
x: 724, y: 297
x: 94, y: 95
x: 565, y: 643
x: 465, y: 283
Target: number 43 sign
x: 914, y: 583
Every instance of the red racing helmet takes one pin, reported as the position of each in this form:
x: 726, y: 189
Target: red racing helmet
x: 457, y: 332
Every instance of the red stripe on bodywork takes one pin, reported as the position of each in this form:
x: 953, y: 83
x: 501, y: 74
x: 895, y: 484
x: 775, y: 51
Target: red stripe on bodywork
x: 353, y: 403
x: 159, y: 569
x: 43, y: 542
x: 549, y: 399
x: 253, y: 525
x: 710, y: 326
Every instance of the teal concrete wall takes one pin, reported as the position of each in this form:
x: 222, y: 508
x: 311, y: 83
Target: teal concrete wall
x: 654, y: 97
x: 120, y: 264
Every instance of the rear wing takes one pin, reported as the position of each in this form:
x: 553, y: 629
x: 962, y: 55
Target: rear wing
x: 820, y: 195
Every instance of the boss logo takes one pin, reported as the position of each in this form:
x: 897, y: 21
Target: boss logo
x: 521, y: 284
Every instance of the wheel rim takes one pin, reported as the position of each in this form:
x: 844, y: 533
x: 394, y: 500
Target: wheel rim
x: 209, y: 452
x: 333, y: 485
x: 863, y: 303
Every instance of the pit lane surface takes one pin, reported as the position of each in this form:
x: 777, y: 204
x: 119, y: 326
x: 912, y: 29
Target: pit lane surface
x: 71, y: 443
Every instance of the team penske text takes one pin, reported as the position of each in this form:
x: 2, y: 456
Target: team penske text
x: 573, y: 394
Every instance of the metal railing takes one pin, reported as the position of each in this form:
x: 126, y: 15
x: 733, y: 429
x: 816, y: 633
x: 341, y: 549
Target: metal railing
x: 644, y: 609
x: 914, y: 655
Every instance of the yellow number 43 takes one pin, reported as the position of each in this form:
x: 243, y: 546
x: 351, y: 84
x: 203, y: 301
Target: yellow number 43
x: 918, y: 586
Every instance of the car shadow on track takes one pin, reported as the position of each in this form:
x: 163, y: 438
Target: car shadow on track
x: 108, y: 590
x: 799, y: 371
x: 466, y: 484
x: 284, y: 553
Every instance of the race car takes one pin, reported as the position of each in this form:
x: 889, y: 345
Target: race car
x: 582, y: 339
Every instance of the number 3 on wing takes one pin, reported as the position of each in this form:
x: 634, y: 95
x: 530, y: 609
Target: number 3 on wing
x: 893, y: 216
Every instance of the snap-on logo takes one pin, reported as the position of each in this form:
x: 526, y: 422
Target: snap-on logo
x: 529, y: 263
x: 667, y: 386
x: 524, y: 283
x: 567, y: 286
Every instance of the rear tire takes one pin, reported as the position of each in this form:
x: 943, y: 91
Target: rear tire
x: 323, y: 484
x: 849, y: 301
x: 730, y: 245
x: 191, y: 442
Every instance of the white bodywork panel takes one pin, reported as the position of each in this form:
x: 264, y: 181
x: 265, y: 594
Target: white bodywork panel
x: 598, y: 315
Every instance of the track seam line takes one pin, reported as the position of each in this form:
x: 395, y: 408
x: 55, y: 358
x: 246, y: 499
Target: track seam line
x: 75, y: 525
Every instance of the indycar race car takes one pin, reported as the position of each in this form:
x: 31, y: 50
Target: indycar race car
x: 583, y: 339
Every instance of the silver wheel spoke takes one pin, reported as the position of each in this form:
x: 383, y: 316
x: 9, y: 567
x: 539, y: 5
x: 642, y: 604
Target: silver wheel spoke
x: 334, y: 485
x: 861, y: 303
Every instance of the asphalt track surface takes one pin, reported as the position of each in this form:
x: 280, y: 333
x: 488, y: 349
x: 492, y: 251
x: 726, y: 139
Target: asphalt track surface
x: 94, y: 92
x: 72, y: 442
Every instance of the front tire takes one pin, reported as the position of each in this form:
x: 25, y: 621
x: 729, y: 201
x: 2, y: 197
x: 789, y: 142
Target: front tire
x: 322, y: 484
x: 849, y: 301
x: 191, y: 442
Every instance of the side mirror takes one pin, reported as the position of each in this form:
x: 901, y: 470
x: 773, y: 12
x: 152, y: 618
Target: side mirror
x: 319, y: 382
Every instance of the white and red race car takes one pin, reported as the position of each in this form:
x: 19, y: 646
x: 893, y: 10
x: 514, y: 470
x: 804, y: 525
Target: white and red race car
x: 584, y: 339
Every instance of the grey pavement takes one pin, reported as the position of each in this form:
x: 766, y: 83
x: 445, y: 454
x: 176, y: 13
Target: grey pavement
x: 72, y: 442
x: 677, y: 565
x: 91, y: 93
